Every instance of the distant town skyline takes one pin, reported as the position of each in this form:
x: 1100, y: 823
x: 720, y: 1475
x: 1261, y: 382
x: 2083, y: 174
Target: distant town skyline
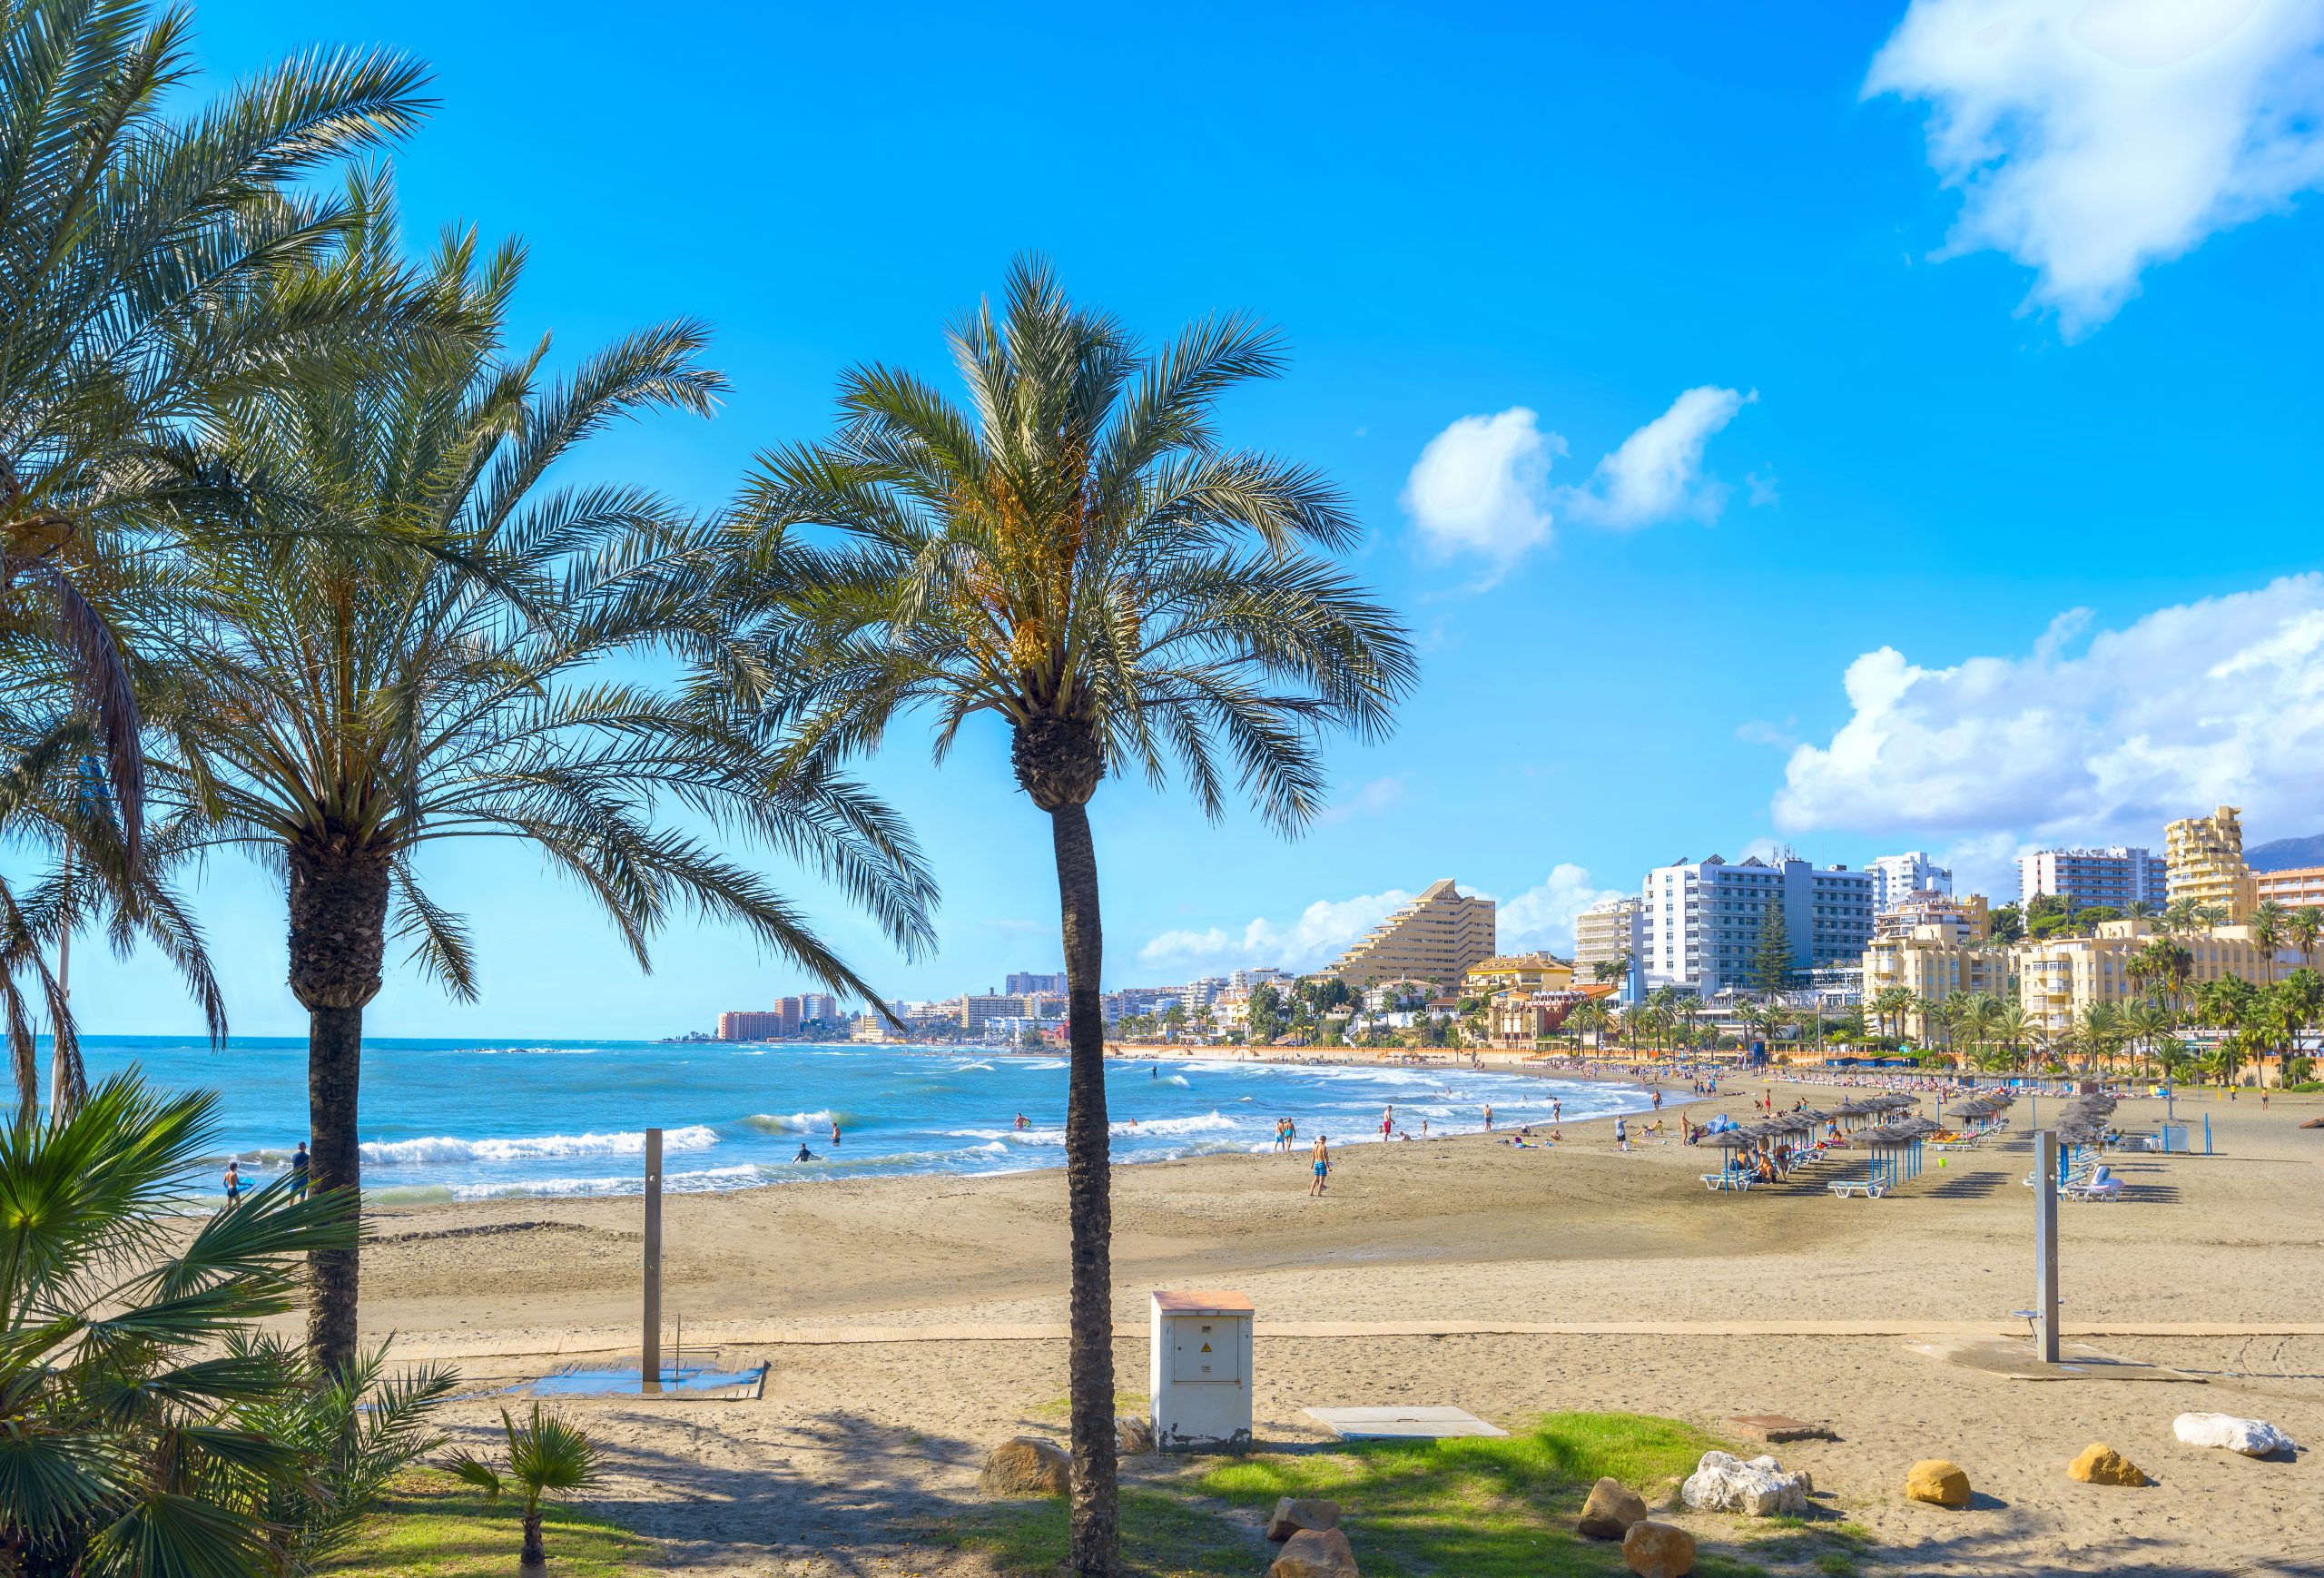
x: 1773, y: 429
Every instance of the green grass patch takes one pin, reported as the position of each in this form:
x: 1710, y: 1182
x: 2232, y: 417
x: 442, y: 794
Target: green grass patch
x: 1478, y: 1507
x: 1163, y: 1536
x: 433, y: 1526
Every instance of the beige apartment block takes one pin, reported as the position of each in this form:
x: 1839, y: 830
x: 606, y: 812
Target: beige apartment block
x: 2205, y: 857
x: 1517, y: 971
x: 1934, y: 959
x: 1438, y: 937
x: 1608, y: 932
x: 2300, y: 888
x: 2058, y: 980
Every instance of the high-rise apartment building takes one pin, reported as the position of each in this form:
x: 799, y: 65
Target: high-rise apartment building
x: 1021, y: 982
x: 2299, y: 888
x: 1700, y: 920
x: 2205, y: 855
x: 752, y: 1025
x: 2059, y: 979
x: 1435, y: 938
x: 1610, y: 932
x: 1897, y: 876
x: 2118, y: 876
x: 815, y: 1005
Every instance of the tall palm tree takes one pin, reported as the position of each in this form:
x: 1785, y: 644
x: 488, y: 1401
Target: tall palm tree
x: 408, y: 641
x: 2306, y: 924
x: 1078, y: 555
x: 2269, y: 926
x: 139, y: 251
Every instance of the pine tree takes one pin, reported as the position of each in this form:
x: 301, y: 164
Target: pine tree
x: 1771, y: 962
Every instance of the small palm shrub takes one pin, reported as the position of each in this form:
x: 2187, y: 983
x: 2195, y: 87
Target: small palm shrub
x: 545, y: 1454
x: 147, y: 1427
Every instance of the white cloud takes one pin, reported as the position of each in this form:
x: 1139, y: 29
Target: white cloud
x: 1482, y: 486
x: 1542, y: 917
x: 2092, y: 138
x: 2219, y: 701
x: 1322, y: 931
x: 1656, y: 474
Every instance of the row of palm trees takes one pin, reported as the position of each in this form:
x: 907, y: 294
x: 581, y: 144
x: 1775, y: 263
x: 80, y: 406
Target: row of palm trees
x: 289, y: 565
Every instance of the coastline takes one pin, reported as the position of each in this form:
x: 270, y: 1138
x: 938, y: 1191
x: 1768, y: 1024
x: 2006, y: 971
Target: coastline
x: 928, y: 1310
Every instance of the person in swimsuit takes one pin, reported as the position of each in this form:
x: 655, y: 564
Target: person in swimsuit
x: 299, y: 1165
x: 835, y: 1132
x: 1488, y: 1118
x: 1321, y: 1162
x: 233, y: 1182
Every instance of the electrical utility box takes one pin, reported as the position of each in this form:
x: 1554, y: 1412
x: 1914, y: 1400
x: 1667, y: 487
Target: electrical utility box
x: 1200, y: 1373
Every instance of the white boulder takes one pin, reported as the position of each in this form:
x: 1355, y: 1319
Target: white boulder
x: 1724, y: 1483
x: 2252, y: 1437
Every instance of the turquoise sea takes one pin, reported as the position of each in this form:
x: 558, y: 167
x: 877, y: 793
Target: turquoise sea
x: 466, y: 1119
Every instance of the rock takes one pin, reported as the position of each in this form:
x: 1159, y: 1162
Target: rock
x: 1724, y: 1483
x: 1022, y: 1466
x: 1132, y: 1438
x: 1938, y: 1482
x: 1314, y: 1554
x: 1611, y: 1510
x: 1292, y: 1514
x: 2252, y: 1437
x: 1655, y: 1550
x: 2101, y: 1464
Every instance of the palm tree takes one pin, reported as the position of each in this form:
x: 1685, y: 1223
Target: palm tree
x: 545, y: 1454
x: 150, y: 1427
x: 407, y: 643
x: 1078, y: 556
x: 138, y: 262
x: 1890, y: 1004
x: 2269, y: 925
x: 2307, y: 924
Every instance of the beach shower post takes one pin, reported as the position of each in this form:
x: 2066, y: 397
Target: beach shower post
x: 649, y: 1355
x: 2045, y: 1244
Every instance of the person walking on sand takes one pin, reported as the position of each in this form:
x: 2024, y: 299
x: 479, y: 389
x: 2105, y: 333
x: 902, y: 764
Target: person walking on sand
x: 299, y: 1165
x: 1622, y: 1132
x: 1320, y: 1160
x: 1488, y: 1118
x: 233, y: 1182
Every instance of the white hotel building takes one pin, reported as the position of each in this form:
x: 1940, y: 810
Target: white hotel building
x: 1699, y: 922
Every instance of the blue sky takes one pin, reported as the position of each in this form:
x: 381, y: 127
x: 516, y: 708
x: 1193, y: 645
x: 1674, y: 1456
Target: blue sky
x: 1992, y: 517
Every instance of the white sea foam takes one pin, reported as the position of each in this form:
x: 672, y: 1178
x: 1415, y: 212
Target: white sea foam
x: 531, y: 1148
x: 791, y: 1123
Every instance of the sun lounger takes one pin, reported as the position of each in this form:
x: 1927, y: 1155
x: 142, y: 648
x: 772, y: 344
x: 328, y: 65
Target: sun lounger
x: 1871, y: 1188
x: 1715, y: 1181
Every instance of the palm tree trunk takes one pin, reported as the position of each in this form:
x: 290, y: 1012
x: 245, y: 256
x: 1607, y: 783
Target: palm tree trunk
x: 534, y: 1557
x: 1096, y: 1528
x: 339, y: 911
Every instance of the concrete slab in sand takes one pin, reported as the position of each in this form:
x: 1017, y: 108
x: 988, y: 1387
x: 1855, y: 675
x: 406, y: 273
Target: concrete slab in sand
x: 1415, y: 1423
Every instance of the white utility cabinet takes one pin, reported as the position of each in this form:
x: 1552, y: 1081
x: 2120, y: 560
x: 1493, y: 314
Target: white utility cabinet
x: 1200, y: 1378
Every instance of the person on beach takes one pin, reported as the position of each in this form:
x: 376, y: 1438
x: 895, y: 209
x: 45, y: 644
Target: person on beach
x: 1388, y: 1123
x: 1321, y: 1164
x: 233, y: 1182
x: 300, y: 1162
x: 1488, y: 1118
x: 1423, y: 1129
x: 1622, y: 1133
x: 1658, y: 1098
x: 835, y: 1132
x: 1557, y: 1110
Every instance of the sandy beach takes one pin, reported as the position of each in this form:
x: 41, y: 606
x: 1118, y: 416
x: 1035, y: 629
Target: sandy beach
x: 911, y: 1323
